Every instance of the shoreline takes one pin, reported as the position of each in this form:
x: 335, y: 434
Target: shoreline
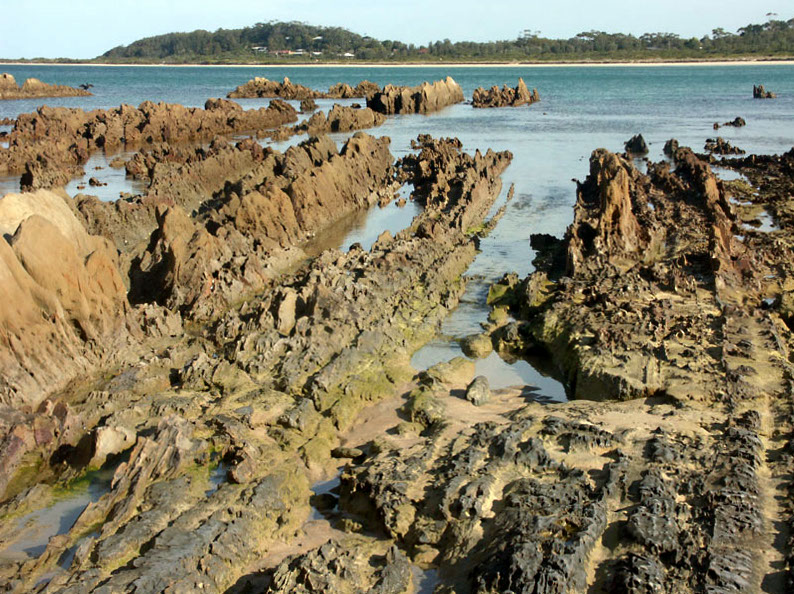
x: 635, y: 64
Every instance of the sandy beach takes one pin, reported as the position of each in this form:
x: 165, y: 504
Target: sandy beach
x: 770, y: 62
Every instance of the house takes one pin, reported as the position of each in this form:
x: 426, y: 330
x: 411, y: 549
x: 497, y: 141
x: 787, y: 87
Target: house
x: 349, y: 55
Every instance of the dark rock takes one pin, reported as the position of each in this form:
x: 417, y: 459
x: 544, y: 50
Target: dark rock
x: 636, y: 145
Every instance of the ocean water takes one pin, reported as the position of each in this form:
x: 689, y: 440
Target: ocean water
x: 581, y: 109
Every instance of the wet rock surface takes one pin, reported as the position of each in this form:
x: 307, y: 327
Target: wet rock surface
x: 505, y: 97
x: 33, y: 88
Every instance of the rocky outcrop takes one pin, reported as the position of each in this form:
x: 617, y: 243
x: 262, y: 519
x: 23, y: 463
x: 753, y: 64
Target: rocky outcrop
x: 63, y: 138
x: 670, y: 148
x: 505, y: 97
x: 270, y: 385
x: 308, y: 105
x: 636, y: 145
x: 341, y: 119
x: 720, y: 146
x: 344, y: 91
x: 737, y: 122
x: 204, y: 266
x: 34, y: 88
x: 260, y: 87
x: 759, y: 92
x: 425, y: 98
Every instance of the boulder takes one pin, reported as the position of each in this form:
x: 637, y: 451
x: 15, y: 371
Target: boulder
x: 478, y: 392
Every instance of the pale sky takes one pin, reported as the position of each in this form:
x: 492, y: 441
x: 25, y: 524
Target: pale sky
x: 88, y: 28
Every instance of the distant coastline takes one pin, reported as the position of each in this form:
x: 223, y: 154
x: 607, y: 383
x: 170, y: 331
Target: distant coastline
x: 447, y: 64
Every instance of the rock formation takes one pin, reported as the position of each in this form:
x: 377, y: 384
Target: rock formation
x: 425, y: 98
x: 636, y: 145
x: 34, y: 88
x: 759, y: 92
x: 63, y: 138
x: 737, y: 122
x: 60, y: 314
x: 505, y: 97
x: 720, y: 146
x: 318, y: 344
x: 261, y: 87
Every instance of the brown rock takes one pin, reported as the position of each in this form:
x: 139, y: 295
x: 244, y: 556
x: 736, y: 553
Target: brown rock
x: 33, y: 88
x: 425, y: 98
x: 506, y: 97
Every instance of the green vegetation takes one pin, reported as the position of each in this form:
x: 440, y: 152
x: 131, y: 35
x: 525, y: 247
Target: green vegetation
x: 300, y: 43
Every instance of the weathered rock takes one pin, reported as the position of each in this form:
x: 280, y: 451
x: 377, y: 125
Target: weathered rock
x: 61, y: 313
x: 720, y: 146
x: 737, y: 122
x: 63, y: 138
x: 506, y: 97
x: 34, y: 88
x: 477, y: 346
x: 425, y: 98
x: 262, y: 87
x: 308, y: 105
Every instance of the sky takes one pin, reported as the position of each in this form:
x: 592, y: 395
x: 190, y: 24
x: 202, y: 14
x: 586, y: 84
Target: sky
x: 88, y: 28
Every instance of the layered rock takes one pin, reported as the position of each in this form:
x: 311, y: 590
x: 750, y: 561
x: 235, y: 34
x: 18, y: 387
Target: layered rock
x: 269, y: 387
x: 63, y: 138
x: 261, y: 87
x: 341, y: 119
x: 208, y: 264
x: 505, y: 97
x: 424, y: 98
x: 33, y: 88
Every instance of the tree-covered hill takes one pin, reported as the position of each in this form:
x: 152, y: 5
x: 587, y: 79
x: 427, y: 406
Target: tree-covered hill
x: 299, y: 42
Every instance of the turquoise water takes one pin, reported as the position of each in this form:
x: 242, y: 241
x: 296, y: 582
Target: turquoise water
x: 581, y: 109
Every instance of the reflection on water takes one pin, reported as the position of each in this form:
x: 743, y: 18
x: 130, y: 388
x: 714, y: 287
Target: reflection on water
x: 35, y: 529
x: 325, y: 499
x: 117, y: 180
x: 365, y: 226
x: 425, y: 580
x: 500, y: 373
x: 726, y: 174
